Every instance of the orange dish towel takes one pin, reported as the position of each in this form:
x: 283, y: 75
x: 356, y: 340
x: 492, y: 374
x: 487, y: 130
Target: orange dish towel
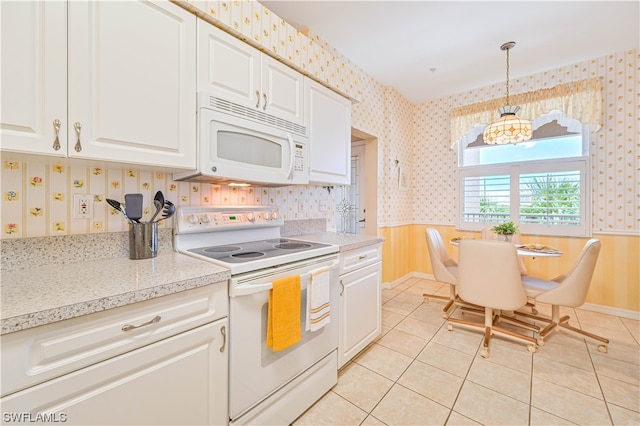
x: 283, y: 322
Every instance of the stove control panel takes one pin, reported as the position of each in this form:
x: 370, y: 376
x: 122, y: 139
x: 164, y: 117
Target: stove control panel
x: 211, y: 219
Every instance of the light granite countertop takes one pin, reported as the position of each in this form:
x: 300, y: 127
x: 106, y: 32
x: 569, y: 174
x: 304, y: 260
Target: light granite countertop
x: 345, y: 241
x: 42, y: 293
x: 46, y: 294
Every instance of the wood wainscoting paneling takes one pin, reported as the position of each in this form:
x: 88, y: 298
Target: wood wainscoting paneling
x: 616, y: 280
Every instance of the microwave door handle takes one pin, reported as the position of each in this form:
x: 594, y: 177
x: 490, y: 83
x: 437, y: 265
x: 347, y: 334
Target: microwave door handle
x: 293, y: 156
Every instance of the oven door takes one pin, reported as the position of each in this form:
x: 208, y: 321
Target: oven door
x: 255, y: 371
x: 238, y: 149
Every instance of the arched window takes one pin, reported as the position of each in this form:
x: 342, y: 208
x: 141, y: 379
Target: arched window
x: 540, y: 184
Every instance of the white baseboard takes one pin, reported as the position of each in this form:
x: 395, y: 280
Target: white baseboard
x: 609, y: 310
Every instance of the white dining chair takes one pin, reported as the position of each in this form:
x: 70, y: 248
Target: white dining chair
x: 489, y: 276
x: 568, y: 290
x: 445, y: 269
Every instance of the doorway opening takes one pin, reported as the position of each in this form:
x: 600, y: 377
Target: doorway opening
x: 356, y: 204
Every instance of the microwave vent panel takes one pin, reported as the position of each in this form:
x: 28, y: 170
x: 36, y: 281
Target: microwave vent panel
x: 255, y: 115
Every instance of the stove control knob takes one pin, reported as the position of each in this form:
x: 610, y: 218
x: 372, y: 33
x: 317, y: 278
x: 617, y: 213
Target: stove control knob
x: 266, y: 216
x: 251, y: 217
x: 192, y: 219
x: 274, y: 215
x: 205, y: 218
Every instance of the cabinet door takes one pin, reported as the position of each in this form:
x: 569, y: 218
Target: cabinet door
x: 179, y: 380
x: 329, y: 121
x: 282, y: 91
x: 228, y: 67
x: 360, y: 310
x: 34, y: 76
x: 132, y: 82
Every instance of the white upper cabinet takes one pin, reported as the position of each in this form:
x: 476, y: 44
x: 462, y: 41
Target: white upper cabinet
x: 237, y: 72
x: 34, y: 77
x: 132, y: 82
x: 131, y: 94
x: 329, y: 121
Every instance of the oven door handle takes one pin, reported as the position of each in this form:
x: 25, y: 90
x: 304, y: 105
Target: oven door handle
x: 248, y: 289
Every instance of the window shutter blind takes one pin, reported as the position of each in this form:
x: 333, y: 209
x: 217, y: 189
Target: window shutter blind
x: 486, y: 199
x: 552, y: 199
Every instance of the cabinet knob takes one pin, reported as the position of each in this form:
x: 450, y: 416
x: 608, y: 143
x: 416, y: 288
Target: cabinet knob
x: 56, y: 128
x: 78, y: 146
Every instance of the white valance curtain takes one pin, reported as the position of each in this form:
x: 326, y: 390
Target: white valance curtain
x: 579, y: 100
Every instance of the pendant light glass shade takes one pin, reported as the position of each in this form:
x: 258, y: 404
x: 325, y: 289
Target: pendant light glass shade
x: 509, y: 128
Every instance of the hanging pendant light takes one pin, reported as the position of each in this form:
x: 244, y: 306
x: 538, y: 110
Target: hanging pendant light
x: 509, y: 128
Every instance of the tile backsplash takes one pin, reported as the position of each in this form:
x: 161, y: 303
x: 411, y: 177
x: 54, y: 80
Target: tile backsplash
x: 38, y: 197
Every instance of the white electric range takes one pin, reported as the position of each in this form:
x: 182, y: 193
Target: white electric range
x: 265, y: 387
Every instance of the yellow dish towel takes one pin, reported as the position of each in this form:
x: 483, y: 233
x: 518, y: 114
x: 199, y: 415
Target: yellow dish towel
x: 283, y: 318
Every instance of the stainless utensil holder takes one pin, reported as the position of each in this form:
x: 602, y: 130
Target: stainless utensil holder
x: 143, y: 240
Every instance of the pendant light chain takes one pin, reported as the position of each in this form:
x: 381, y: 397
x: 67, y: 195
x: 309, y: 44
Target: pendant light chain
x: 508, y: 48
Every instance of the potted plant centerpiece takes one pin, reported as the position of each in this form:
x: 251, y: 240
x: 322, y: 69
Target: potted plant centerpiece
x: 505, y: 230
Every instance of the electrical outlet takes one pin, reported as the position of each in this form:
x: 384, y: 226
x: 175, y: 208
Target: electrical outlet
x: 82, y: 206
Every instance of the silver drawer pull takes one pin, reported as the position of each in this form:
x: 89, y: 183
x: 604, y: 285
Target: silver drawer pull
x: 128, y: 327
x: 223, y: 331
x: 78, y: 146
x: 342, y: 289
x: 258, y: 101
x: 264, y: 95
x: 56, y: 128
x: 364, y: 256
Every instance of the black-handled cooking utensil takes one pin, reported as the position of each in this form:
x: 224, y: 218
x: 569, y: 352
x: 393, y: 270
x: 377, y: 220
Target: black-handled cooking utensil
x: 117, y: 206
x: 158, y: 207
x: 169, y: 210
x: 133, y: 203
x: 158, y: 202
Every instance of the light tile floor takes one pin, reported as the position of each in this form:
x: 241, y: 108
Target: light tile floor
x: 419, y: 373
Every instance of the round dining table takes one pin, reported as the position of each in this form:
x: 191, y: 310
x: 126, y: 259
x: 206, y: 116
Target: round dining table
x: 532, y: 250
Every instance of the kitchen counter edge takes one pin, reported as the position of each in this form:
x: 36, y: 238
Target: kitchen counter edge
x: 47, y: 294
x: 346, y: 242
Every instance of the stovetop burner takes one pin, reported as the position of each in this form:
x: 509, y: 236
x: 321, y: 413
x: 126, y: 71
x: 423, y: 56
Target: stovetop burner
x: 220, y: 249
x: 292, y: 246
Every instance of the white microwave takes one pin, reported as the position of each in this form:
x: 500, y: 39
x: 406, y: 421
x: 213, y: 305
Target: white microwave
x: 239, y: 145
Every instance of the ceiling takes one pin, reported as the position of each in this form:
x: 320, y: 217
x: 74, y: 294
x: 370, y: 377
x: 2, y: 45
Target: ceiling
x: 429, y: 49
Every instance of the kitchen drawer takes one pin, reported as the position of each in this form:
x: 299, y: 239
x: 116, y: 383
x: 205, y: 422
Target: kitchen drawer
x: 42, y: 353
x: 358, y: 258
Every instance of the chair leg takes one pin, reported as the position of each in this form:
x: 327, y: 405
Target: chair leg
x: 556, y: 321
x: 519, y: 323
x: 490, y: 329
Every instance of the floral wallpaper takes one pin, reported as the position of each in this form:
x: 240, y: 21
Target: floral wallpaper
x: 614, y: 150
x: 37, y: 197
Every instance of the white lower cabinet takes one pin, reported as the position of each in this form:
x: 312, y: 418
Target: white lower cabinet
x: 176, y: 371
x: 360, y: 301
x: 179, y: 380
